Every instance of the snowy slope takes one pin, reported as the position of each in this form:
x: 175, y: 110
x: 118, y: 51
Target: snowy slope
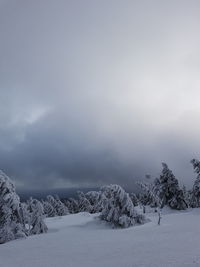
x: 82, y: 241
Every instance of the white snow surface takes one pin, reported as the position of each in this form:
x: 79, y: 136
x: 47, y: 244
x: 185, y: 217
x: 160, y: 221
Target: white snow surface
x: 81, y: 240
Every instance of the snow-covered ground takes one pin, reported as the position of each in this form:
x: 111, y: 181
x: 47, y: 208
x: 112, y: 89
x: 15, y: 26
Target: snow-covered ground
x: 80, y: 240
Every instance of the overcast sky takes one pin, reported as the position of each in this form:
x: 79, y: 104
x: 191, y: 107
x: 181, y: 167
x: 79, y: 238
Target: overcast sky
x: 95, y: 92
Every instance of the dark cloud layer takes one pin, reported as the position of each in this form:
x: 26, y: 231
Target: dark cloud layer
x: 94, y: 92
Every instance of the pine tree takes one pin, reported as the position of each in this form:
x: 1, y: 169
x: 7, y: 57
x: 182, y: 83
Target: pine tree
x: 168, y: 189
x: 95, y: 199
x: 72, y: 205
x: 36, y: 211
x: 195, y: 199
x: 49, y: 210
x: 147, y: 197
x: 134, y: 199
x: 83, y: 202
x: 118, y: 208
x: 11, y: 221
x: 186, y: 195
x: 59, y: 208
x: 25, y: 215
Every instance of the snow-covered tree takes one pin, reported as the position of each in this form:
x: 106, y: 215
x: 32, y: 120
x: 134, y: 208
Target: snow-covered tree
x: 134, y: 199
x: 49, y: 210
x: 118, y: 208
x: 72, y: 205
x: 147, y: 196
x: 190, y: 198
x: 195, y: 197
x: 186, y: 195
x: 11, y: 221
x: 153, y: 193
x: 36, y: 211
x: 59, y: 208
x: 83, y: 202
x: 168, y: 189
x: 95, y: 199
x: 178, y: 201
x: 25, y: 215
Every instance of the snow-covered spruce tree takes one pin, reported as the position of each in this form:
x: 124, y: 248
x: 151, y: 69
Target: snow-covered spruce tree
x: 134, y: 199
x: 49, y: 210
x: 95, y: 199
x: 72, y: 205
x: 25, y: 215
x: 37, y: 224
x: 152, y: 190
x: 11, y: 221
x: 168, y: 189
x: 51, y: 200
x: 59, y: 208
x: 118, y: 208
x: 178, y: 201
x: 147, y: 196
x: 186, y: 195
x: 191, y: 200
x: 195, y: 196
x: 83, y: 202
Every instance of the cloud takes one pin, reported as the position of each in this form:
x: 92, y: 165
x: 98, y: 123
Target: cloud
x: 98, y: 92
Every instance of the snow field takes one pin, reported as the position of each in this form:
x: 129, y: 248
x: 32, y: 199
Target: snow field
x: 81, y: 240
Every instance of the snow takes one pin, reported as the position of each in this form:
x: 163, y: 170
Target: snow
x: 81, y: 240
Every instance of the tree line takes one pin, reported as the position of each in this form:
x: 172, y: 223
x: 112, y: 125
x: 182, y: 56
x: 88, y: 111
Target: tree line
x: 111, y: 202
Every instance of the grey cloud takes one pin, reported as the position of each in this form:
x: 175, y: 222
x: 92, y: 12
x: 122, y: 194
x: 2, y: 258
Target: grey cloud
x: 98, y: 92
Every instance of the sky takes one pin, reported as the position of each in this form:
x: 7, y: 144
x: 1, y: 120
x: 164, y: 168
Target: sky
x: 97, y: 92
